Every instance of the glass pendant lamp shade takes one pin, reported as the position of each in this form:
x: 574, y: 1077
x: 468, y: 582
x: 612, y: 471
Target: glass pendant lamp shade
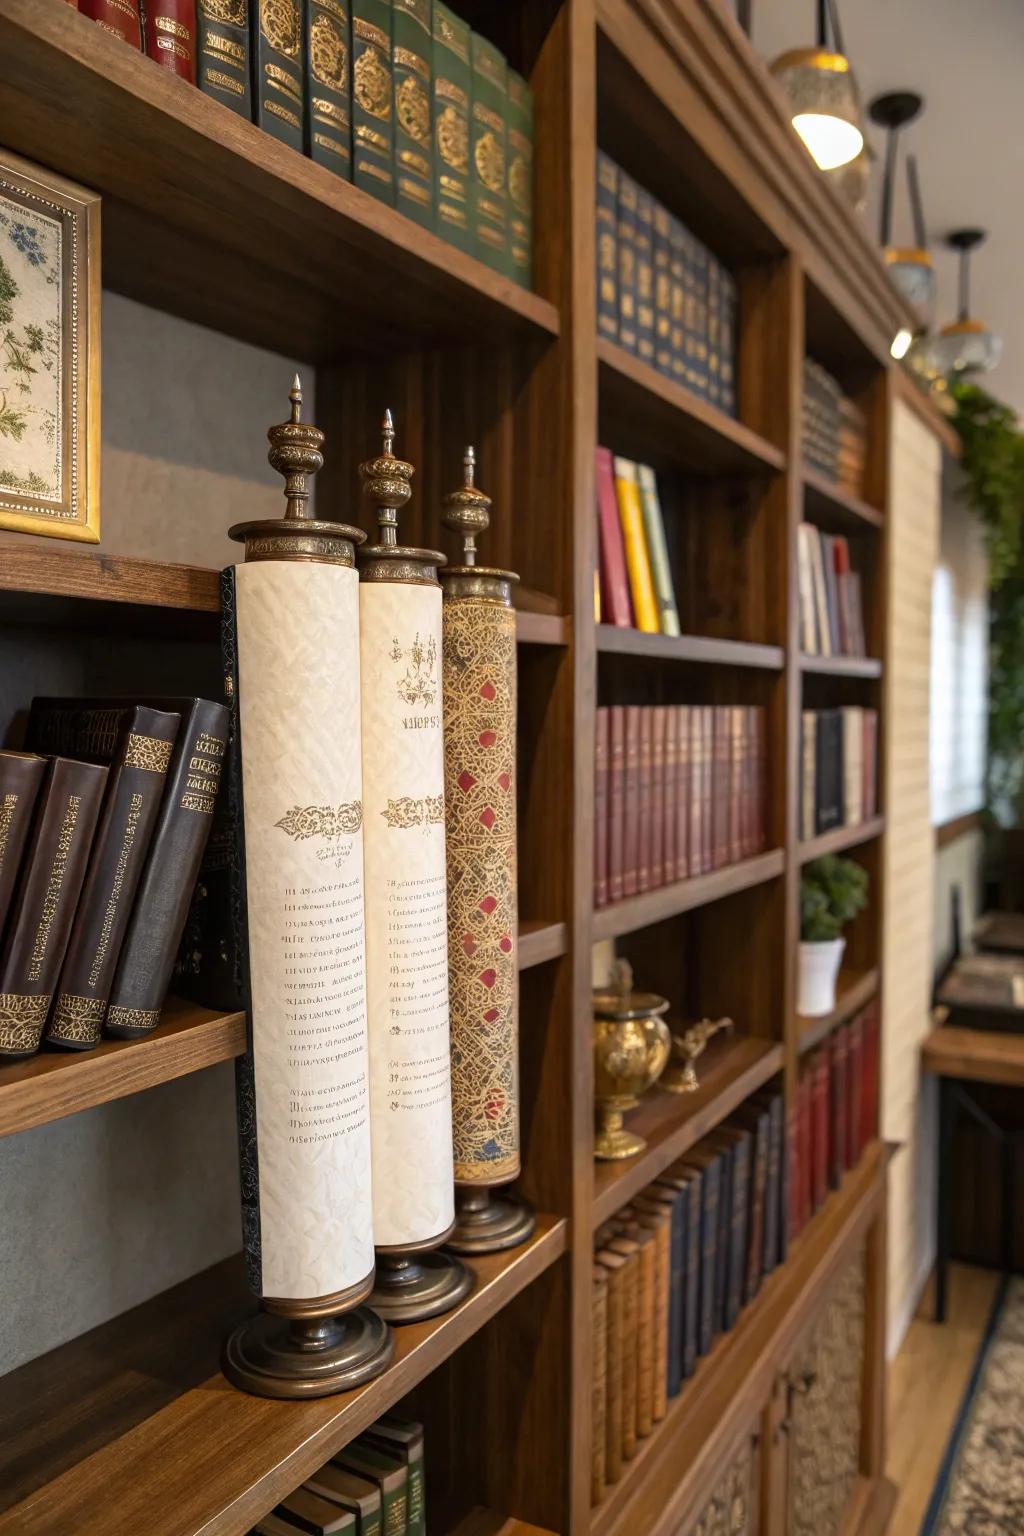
x: 966, y: 346
x: 823, y: 103
x: 913, y: 272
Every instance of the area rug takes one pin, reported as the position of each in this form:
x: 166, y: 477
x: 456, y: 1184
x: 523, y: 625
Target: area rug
x: 980, y: 1487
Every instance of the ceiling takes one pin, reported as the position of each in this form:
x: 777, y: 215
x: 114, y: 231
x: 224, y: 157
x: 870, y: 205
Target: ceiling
x: 966, y: 60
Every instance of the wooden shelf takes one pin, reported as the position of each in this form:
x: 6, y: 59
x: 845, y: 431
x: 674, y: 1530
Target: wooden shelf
x: 127, y: 1430
x: 292, y: 257
x: 539, y: 942
x: 654, y: 906
x: 729, y: 1072
x: 841, y: 666
x: 740, y: 1366
x: 484, y: 1522
x: 700, y: 649
x: 636, y: 397
x: 841, y: 838
x: 542, y: 628
x: 834, y: 509
x: 58, y: 1083
x: 853, y: 990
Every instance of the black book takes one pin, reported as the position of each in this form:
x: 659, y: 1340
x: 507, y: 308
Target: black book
x: 222, y: 55
x: 327, y: 35
x: 21, y: 778
x: 607, y: 247
x: 828, y: 811
x: 709, y: 1166
x: 279, y: 73
x: 755, y: 1117
x: 736, y: 1144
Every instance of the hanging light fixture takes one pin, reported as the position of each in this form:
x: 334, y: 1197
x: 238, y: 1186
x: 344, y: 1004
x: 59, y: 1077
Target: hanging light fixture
x: 966, y: 345
x: 823, y: 101
x: 910, y: 267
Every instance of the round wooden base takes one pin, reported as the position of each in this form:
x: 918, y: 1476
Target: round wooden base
x: 489, y: 1220
x: 413, y: 1286
x: 273, y: 1356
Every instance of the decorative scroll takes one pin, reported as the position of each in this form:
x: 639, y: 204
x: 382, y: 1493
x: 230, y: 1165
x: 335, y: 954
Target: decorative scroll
x: 479, y: 672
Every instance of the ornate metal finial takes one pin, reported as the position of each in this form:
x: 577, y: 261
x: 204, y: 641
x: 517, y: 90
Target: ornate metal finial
x: 295, y: 453
x: 467, y: 510
x: 387, y: 483
x: 622, y: 977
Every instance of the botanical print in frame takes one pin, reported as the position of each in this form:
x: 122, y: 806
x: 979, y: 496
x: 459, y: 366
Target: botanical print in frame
x: 49, y: 353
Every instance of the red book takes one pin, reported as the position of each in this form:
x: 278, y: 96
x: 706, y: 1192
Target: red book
x: 121, y: 17
x: 671, y: 780
x: 869, y: 759
x: 616, y: 798
x: 838, y: 1095
x: 854, y: 1071
x: 804, y: 1160
x: 631, y: 802
x: 616, y: 607
x: 869, y: 1092
x: 170, y: 32
x: 659, y: 770
x: 737, y: 782
x: 707, y: 851
x: 696, y: 858
x: 759, y: 761
x: 820, y: 1095
x: 684, y: 789
x: 645, y: 838
x: 841, y: 565
x: 601, y: 751
x: 792, y: 1180
x: 721, y: 784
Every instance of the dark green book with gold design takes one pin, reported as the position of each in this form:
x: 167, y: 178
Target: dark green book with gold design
x: 411, y: 50
x: 488, y: 154
x: 645, y: 276
x: 452, y: 87
x: 607, y: 247
x: 520, y: 178
x: 279, y: 70
x: 222, y: 68
x: 373, y: 143
x: 627, y: 261
x: 662, y: 291
x: 328, y: 98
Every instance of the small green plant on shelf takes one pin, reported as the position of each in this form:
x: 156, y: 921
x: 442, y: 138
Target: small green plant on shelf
x: 832, y: 891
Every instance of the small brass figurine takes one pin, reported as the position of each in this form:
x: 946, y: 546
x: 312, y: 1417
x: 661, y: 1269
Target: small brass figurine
x: 687, y: 1047
x: 631, y: 1047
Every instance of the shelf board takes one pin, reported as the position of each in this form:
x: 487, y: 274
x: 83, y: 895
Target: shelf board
x: 126, y: 1429
x: 729, y: 1072
x: 699, y: 1424
x: 835, y: 509
x: 57, y: 1083
x: 540, y: 942
x: 485, y: 1522
x: 637, y: 396
x: 853, y: 990
x: 613, y: 640
x: 841, y: 838
x: 541, y: 628
x: 635, y: 912
x: 841, y: 666
x: 292, y: 257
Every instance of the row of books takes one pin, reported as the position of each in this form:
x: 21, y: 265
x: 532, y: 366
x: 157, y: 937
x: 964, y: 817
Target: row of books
x: 374, y: 1487
x: 838, y: 768
x: 661, y: 294
x: 635, y: 589
x: 398, y: 96
x: 831, y: 608
x: 834, y: 429
x: 675, y: 1268
x: 679, y: 790
x: 836, y: 1113
x: 103, y: 825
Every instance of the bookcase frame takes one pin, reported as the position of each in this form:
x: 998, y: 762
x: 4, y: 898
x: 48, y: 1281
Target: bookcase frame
x: 207, y: 218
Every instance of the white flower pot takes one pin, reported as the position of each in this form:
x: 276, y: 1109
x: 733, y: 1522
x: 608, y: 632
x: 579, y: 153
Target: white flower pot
x: 817, y: 970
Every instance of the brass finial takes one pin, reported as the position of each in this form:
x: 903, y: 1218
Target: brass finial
x: 295, y: 453
x: 386, y: 483
x: 467, y: 510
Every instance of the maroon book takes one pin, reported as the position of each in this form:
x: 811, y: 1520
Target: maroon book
x: 616, y: 607
x: 170, y: 32
x: 658, y: 773
x: 669, y: 808
x: 854, y: 1086
x: 759, y: 754
x: 804, y: 1163
x: 684, y: 789
x: 645, y: 827
x: 696, y: 842
x: 838, y: 1092
x: 869, y: 1093
x: 820, y: 1094
x: 736, y: 782
x: 707, y: 856
x: 601, y: 749
x: 121, y: 17
x: 721, y: 784
x: 616, y: 798
x: 631, y: 803
x: 791, y: 1182
x: 748, y: 788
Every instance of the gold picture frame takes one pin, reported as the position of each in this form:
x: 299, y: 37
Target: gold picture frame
x: 49, y: 353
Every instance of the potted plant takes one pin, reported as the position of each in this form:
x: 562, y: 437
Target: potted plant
x: 832, y: 892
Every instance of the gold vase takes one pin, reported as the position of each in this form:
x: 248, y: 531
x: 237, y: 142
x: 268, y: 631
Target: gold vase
x: 631, y: 1047
x: 688, y: 1043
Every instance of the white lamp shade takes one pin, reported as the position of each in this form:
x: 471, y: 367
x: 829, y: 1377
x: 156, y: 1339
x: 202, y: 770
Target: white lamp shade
x: 823, y: 104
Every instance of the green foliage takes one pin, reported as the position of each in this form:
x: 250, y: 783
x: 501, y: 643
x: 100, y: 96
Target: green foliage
x: 832, y: 892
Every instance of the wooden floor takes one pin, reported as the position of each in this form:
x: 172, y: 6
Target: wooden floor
x: 926, y: 1388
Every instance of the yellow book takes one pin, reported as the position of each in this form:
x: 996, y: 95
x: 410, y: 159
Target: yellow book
x: 638, y: 562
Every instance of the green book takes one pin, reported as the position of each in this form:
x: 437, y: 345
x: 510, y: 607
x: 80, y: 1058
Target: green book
x: 411, y: 51
x: 520, y: 178
x: 390, y: 1475
x: 626, y: 215
x: 356, y: 1494
x: 488, y: 154
x: 677, y: 270
x: 452, y: 77
x: 373, y: 144
x: 278, y: 70
x: 328, y: 97
x: 662, y: 291
x: 657, y: 549
x: 645, y: 276
x: 404, y: 1439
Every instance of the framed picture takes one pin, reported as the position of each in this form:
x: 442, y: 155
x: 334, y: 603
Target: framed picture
x: 49, y: 353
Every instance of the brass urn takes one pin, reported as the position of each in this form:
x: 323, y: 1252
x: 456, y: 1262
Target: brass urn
x: 688, y: 1043
x: 631, y: 1046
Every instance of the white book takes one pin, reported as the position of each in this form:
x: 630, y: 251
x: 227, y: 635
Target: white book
x: 805, y: 588
x: 853, y: 765
x: 809, y: 774
x: 820, y: 592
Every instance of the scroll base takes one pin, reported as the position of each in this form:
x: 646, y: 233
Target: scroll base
x: 412, y: 1286
x: 490, y: 1220
x: 283, y: 1357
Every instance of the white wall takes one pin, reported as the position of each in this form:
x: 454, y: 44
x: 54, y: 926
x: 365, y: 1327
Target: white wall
x: 959, y: 660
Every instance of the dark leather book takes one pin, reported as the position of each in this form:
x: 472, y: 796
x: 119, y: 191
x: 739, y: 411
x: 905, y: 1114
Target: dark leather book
x: 645, y: 814
x: 279, y: 73
x: 677, y: 274
x: 791, y: 1208
x: 39, y: 925
x: 631, y: 802
x: 737, y: 1142
x: 598, y: 1381
x: 708, y: 782
x: 696, y: 796
x: 601, y: 751
x: 488, y: 154
x: 275, y: 1525
x: 306, y: 1511
x: 672, y: 1203
x: 327, y: 43
x: 721, y: 785
x: 403, y: 1438
x: 727, y: 350
x: 709, y: 1166
x: 671, y: 780
x: 169, y: 878
x: 222, y: 68
x: 411, y: 57
x: 700, y: 326
x: 170, y: 34
x: 520, y: 179
x: 828, y: 771
x: 452, y: 87
x: 355, y: 1494
x: 724, y: 1247
x: 658, y: 726
x: 854, y: 1085
x: 373, y: 136
x: 645, y: 276
x: 803, y: 1173
x: 21, y: 779
x: 626, y: 216
x: 607, y: 247
x: 391, y: 1476
x: 683, y: 791
x: 738, y: 784
x: 755, y: 1117
x: 759, y: 732
x: 871, y: 1017
x: 820, y: 1104
x: 662, y: 290
x: 614, y: 1266
x: 616, y: 799
x: 714, y: 330
x: 838, y: 1051
x: 134, y: 793
x: 775, y: 1209
x: 870, y: 788
x: 122, y: 18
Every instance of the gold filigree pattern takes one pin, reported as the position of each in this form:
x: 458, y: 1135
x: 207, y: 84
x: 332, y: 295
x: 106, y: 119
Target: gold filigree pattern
x: 328, y: 56
x: 330, y: 821
x: 413, y: 107
x: 77, y: 1018
x: 231, y: 12
x: 479, y: 678
x: 453, y: 139
x: 519, y: 183
x: 148, y: 752
x: 489, y: 157
x: 729, y: 1510
x: 407, y: 812
x: 279, y: 22
x: 827, y: 1385
x: 21, y: 1021
x: 372, y: 84
x: 139, y: 1020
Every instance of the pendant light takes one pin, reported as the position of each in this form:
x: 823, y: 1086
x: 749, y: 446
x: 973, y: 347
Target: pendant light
x: 910, y: 267
x: 822, y: 95
x: 966, y: 345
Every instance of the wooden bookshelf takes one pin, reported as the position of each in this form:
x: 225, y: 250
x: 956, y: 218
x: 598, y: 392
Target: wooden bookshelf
x: 634, y: 912
x: 694, y: 650
x: 842, y: 666
x: 835, y: 509
x: 854, y: 990
x: 841, y: 839
x: 540, y: 942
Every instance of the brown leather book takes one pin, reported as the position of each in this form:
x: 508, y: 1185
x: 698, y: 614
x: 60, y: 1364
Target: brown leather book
x: 134, y: 792
x: 708, y: 776
x: 170, y: 33
x: 631, y: 803
x: 737, y: 849
x: 656, y: 1218
x: 120, y: 17
x: 683, y: 791
x: 356, y: 1494
x: 599, y: 1381
x: 634, y: 1355
x: 306, y: 1511
x: 616, y: 798
x: 21, y: 778
x: 669, y: 808
x: 53, y: 869
x: 760, y: 756
x: 658, y: 770
x: 645, y: 839
x: 614, y: 1266
x: 601, y: 751
x: 721, y: 785
x: 696, y: 840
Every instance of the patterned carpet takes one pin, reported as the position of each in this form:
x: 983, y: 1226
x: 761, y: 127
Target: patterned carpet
x: 980, y: 1489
